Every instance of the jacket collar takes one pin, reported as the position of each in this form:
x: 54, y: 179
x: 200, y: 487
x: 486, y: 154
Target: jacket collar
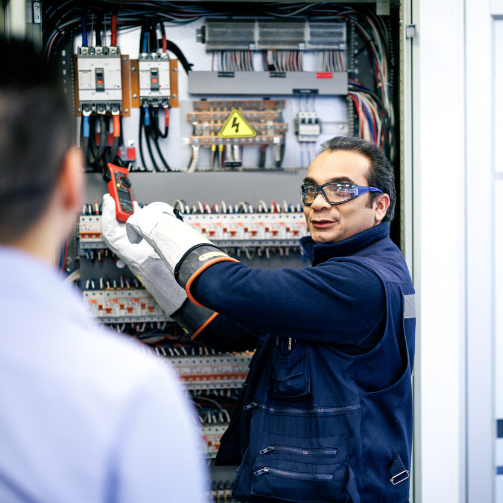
x: 319, y: 252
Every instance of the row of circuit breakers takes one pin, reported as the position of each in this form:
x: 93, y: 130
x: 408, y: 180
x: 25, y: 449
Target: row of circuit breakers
x: 100, y: 79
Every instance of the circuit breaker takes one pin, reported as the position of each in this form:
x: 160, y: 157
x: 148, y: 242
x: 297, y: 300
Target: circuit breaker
x: 307, y: 126
x: 155, y: 79
x: 100, y: 80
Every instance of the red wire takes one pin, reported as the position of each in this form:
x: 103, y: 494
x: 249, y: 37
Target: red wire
x: 117, y: 125
x: 164, y: 44
x: 166, y: 117
x: 357, y: 107
x: 114, y: 30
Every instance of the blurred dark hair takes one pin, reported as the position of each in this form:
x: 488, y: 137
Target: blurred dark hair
x: 35, y: 134
x: 381, y: 173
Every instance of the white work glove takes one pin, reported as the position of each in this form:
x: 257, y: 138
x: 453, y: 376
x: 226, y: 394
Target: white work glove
x: 169, y: 236
x: 185, y: 251
x: 141, y: 259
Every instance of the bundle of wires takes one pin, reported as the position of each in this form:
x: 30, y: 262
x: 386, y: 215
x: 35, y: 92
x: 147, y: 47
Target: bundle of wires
x: 283, y: 61
x: 234, y: 61
x: 97, y: 155
x: 331, y: 61
x: 62, y: 17
x: 373, y: 120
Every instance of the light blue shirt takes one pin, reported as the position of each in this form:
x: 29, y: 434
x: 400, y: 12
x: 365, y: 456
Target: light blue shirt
x: 84, y: 416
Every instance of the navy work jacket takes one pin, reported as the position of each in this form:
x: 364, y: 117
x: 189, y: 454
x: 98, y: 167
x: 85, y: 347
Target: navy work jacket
x: 314, y: 424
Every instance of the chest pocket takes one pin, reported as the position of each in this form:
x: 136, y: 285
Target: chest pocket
x: 290, y: 377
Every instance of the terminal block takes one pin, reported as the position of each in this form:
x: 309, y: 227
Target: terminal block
x: 208, y: 141
x: 221, y: 116
x: 259, y: 105
x: 124, y: 305
x: 155, y: 79
x: 227, y: 371
x: 99, y: 78
x: 307, y: 127
x: 255, y: 229
x: 203, y: 129
x: 238, y: 229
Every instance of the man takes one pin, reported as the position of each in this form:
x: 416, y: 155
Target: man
x: 326, y: 411
x: 85, y: 417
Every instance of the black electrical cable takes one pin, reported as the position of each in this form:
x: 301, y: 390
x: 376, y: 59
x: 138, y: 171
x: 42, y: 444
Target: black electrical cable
x: 153, y: 134
x: 261, y: 162
x: 281, y: 154
x: 155, y: 124
x: 146, y: 130
x: 115, y: 148
x: 163, y: 160
x: 154, y: 43
x: 99, y: 28
x: 95, y: 153
x: 179, y: 54
x: 140, y: 136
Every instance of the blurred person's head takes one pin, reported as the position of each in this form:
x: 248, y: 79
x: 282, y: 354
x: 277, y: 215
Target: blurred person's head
x: 41, y: 179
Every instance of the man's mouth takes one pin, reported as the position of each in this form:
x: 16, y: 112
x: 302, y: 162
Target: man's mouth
x: 322, y: 224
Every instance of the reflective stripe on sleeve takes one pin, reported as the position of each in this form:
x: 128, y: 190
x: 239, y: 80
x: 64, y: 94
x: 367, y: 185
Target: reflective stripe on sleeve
x: 409, y: 310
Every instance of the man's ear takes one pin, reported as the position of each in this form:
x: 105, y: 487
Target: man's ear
x: 381, y: 205
x: 72, y: 181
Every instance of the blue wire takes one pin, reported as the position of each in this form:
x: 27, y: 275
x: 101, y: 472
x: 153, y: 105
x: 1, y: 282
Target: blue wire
x: 84, y: 32
x: 86, y: 130
x: 147, y: 116
x: 145, y: 42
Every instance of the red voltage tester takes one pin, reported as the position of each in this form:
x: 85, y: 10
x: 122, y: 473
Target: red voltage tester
x: 119, y: 187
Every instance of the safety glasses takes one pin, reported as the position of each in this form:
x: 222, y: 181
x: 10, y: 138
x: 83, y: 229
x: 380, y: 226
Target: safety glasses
x: 333, y: 192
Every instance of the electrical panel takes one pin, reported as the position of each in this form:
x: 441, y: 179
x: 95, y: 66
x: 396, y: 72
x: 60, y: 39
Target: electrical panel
x: 193, y: 100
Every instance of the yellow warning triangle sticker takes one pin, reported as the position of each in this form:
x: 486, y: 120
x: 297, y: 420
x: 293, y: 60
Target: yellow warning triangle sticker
x: 236, y: 126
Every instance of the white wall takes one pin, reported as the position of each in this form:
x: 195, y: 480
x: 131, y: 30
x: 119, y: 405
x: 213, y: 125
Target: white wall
x: 454, y: 250
x: 439, y: 251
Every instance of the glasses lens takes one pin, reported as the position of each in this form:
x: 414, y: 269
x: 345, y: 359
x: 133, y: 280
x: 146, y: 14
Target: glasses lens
x: 308, y: 193
x: 337, y: 192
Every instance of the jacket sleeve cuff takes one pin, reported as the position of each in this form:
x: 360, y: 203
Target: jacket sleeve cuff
x: 194, y: 262
x: 193, y: 319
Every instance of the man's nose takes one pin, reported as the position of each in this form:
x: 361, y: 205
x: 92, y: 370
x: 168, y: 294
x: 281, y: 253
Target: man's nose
x: 319, y: 202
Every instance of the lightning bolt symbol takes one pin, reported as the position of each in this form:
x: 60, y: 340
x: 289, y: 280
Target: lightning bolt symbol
x: 235, y: 124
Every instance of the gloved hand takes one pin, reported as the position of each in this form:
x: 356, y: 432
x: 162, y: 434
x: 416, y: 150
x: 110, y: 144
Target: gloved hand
x: 185, y: 251
x: 146, y: 264
x: 141, y: 259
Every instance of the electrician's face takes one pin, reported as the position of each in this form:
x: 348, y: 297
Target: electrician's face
x: 330, y: 223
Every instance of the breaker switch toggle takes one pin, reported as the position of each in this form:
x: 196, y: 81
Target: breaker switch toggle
x: 100, y: 79
x: 154, y: 79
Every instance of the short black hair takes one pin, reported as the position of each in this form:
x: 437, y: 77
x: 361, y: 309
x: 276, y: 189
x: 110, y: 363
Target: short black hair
x: 36, y: 132
x: 381, y: 173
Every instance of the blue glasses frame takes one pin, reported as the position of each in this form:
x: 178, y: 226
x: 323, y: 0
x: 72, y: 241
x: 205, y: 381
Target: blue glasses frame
x: 356, y: 190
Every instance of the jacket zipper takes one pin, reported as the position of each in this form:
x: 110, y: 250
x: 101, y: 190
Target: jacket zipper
x: 295, y: 475
x: 298, y: 450
x: 339, y: 408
